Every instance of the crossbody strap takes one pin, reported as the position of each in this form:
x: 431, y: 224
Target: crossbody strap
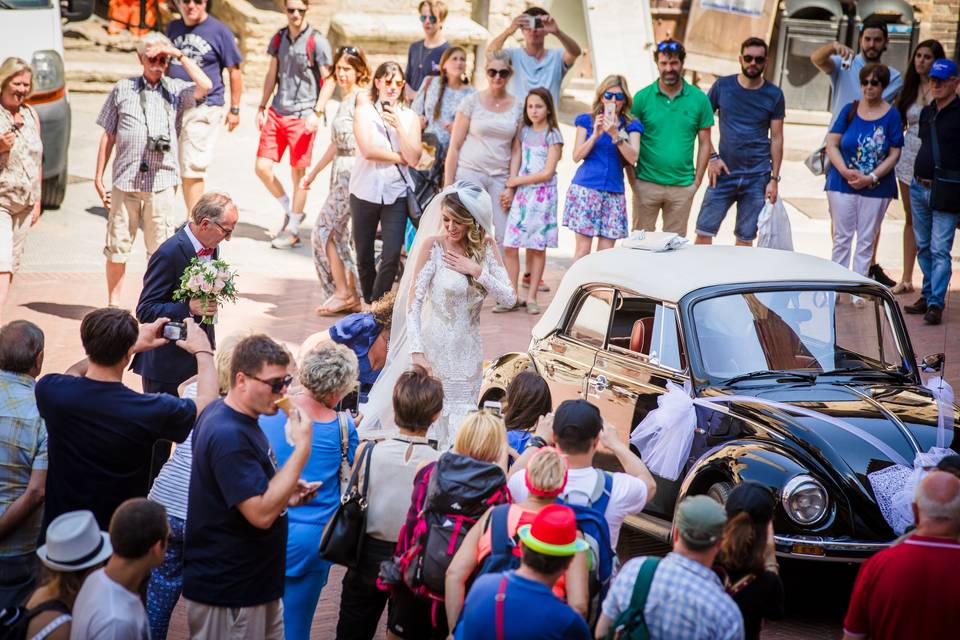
x: 390, y: 142
x: 935, y: 146
x: 344, y: 434
x: 498, y: 614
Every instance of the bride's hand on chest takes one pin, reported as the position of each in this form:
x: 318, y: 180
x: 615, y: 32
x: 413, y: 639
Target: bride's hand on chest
x: 461, y: 264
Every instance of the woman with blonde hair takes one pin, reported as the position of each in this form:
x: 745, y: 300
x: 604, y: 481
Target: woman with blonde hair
x: 482, y: 138
x: 436, y: 322
x: 21, y: 155
x: 450, y: 494
x: 332, y: 250
x: 492, y: 544
x: 171, y: 489
x: 608, y: 138
x: 326, y: 373
x: 439, y: 96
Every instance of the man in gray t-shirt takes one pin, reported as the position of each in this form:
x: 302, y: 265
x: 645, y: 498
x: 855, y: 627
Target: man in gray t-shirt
x: 300, y: 59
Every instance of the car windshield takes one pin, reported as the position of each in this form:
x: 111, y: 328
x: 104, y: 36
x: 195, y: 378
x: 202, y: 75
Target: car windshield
x: 24, y: 4
x: 818, y: 332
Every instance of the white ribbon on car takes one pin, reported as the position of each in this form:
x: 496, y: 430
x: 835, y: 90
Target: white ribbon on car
x: 894, y: 486
x: 665, y: 436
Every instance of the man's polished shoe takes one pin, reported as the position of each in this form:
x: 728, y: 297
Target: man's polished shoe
x: 918, y: 307
x: 877, y: 273
x: 934, y: 315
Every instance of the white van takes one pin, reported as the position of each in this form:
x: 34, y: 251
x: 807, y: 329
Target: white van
x: 32, y: 30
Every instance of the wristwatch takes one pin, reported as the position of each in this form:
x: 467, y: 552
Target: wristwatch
x: 536, y: 442
x: 776, y: 178
x: 235, y: 110
x: 874, y: 177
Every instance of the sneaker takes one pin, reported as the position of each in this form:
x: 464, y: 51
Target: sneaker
x: 541, y: 287
x: 285, y: 240
x: 876, y: 272
x: 918, y: 307
x: 283, y: 227
x: 934, y: 315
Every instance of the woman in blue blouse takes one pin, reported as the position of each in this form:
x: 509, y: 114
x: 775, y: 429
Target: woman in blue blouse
x: 864, y: 146
x: 607, y: 139
x: 327, y: 373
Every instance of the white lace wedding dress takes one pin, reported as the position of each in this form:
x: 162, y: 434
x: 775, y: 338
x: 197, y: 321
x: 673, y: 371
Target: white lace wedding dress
x: 448, y: 333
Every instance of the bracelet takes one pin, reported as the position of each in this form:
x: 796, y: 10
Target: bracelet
x: 196, y: 353
x: 262, y: 107
x: 873, y: 176
x: 714, y: 156
x: 235, y: 110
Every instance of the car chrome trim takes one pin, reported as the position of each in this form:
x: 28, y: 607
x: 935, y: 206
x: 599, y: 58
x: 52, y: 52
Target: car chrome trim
x: 791, y: 486
x: 834, y: 550
x: 651, y: 525
x: 890, y: 416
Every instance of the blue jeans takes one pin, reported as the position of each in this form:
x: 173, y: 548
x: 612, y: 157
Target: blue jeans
x: 934, y: 231
x: 166, y: 582
x: 749, y: 194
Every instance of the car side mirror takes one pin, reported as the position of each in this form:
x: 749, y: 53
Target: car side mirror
x: 932, y: 363
x: 76, y: 10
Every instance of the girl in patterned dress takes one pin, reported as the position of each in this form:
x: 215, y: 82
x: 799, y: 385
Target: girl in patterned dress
x: 532, y: 221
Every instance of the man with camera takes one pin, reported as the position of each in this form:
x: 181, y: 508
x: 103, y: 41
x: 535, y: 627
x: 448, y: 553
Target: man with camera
x: 141, y: 118
x: 100, y: 433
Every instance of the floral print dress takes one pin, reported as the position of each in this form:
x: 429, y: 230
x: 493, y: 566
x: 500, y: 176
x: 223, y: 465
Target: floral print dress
x: 333, y: 221
x: 532, y: 221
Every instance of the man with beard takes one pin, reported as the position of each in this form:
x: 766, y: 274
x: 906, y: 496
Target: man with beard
x: 843, y: 66
x: 747, y: 169
x: 674, y: 114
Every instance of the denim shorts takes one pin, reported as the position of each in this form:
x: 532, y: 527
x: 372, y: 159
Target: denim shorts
x: 747, y: 191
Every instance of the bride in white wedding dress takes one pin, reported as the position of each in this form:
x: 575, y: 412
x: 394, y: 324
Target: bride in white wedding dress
x: 452, y: 266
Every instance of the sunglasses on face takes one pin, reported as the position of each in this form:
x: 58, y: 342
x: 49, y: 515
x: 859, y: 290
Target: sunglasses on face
x: 291, y: 11
x: 613, y: 95
x: 196, y: 2
x: 668, y: 46
x: 396, y: 82
x: 277, y: 385
x: 503, y: 73
x: 758, y: 59
x: 159, y: 59
x: 430, y: 19
x: 226, y: 232
x: 871, y: 82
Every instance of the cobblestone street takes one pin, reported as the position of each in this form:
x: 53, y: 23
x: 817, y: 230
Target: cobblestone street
x: 63, y: 279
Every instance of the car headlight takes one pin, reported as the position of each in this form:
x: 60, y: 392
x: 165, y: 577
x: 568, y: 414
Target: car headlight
x: 47, y: 71
x: 805, y: 500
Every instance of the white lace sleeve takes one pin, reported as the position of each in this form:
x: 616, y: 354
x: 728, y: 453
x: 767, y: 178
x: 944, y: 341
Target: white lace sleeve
x: 417, y: 298
x: 495, y: 280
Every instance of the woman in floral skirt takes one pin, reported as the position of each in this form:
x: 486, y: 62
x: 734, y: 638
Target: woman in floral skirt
x: 332, y: 246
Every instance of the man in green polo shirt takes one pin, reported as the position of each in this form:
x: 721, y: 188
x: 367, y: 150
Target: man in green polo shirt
x: 674, y: 114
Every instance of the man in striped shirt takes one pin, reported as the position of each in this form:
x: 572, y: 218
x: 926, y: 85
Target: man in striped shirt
x: 141, y: 118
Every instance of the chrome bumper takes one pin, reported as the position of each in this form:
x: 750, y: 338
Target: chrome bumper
x: 826, y: 549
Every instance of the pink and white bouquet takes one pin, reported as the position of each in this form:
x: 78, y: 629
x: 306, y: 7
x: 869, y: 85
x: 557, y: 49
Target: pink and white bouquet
x: 207, y: 281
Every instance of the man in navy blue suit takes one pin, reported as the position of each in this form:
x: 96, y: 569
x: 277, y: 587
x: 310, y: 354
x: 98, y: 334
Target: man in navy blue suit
x: 163, y: 369
x: 211, y: 221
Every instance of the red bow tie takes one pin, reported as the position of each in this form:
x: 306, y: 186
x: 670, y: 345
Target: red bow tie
x: 205, y: 252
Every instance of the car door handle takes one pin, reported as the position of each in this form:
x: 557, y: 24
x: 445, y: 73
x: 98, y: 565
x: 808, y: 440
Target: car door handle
x: 600, y: 383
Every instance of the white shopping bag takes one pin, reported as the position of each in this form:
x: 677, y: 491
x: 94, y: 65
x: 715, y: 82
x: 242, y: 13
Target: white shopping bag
x: 774, y: 227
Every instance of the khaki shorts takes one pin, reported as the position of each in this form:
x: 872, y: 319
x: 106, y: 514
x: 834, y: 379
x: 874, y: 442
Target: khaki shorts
x: 199, y: 132
x: 650, y: 198
x: 131, y: 210
x: 14, y: 225
x: 262, y: 622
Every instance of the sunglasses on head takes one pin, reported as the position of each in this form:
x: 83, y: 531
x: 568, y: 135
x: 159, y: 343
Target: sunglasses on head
x: 277, y: 385
x: 161, y: 59
x: 503, y: 73
x: 351, y: 51
x: 668, y: 45
x: 430, y: 19
x: 871, y: 82
x: 292, y: 10
x: 758, y: 59
x: 613, y: 95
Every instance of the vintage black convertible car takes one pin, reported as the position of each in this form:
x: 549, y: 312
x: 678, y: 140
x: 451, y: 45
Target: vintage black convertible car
x: 779, y: 327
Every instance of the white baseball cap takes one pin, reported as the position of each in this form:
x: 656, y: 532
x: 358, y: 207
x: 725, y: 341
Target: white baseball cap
x: 75, y: 542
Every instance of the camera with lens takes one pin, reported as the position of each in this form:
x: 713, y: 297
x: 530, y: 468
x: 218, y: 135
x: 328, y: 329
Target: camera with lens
x: 158, y: 143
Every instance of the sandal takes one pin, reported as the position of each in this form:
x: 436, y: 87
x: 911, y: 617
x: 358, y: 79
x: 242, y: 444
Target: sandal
x: 500, y: 308
x: 533, y: 308
x: 902, y: 287
x: 345, y: 307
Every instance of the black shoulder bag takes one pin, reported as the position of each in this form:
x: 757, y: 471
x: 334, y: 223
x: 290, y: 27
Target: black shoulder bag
x: 945, y: 192
x: 342, y: 539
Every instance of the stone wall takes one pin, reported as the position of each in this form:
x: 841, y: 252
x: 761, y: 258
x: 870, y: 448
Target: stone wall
x: 253, y: 26
x: 938, y: 19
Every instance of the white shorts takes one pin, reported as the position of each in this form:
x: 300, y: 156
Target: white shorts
x: 14, y: 225
x: 199, y: 132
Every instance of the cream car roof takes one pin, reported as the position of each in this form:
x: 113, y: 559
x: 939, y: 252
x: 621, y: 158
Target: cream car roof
x: 671, y: 275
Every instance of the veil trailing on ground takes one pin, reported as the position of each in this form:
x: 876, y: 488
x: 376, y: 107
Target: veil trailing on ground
x: 378, y: 411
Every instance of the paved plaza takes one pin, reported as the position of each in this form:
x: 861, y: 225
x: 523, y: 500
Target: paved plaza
x: 63, y: 279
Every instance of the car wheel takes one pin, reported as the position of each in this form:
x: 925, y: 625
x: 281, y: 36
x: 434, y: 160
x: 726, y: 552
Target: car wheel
x: 720, y: 491
x: 53, y: 191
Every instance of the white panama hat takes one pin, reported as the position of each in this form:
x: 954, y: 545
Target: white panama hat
x: 75, y: 542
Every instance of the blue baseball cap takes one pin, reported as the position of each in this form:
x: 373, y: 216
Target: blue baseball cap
x: 943, y: 69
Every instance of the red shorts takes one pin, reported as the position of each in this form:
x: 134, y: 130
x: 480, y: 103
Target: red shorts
x: 280, y: 132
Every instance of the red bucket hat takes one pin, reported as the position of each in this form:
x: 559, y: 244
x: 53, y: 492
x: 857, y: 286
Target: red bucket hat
x: 553, y: 532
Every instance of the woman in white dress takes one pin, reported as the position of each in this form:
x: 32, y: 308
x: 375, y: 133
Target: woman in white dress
x: 436, y: 319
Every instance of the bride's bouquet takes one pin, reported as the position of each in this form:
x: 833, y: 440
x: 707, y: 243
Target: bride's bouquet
x: 207, y: 281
